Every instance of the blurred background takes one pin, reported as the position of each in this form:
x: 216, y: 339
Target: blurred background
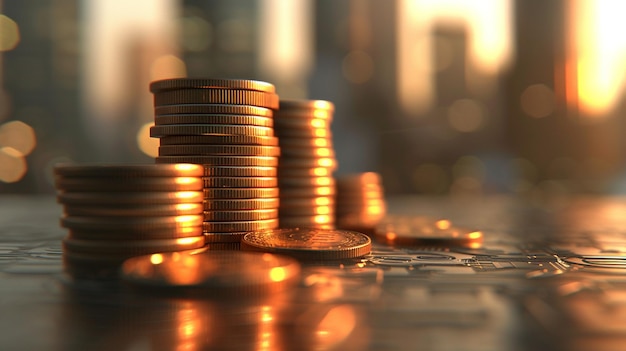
x: 441, y: 97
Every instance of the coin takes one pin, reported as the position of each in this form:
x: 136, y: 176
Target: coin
x: 306, y: 181
x: 305, y: 221
x: 328, y: 162
x: 297, y: 142
x: 204, y: 83
x: 222, y: 246
x: 304, y: 133
x: 239, y: 226
x: 135, y: 234
x: 216, y: 96
x: 244, y: 215
x: 214, y: 119
x: 105, y: 170
x: 310, y: 152
x: 212, y: 109
x: 136, y: 247
x: 212, y: 139
x: 230, y: 237
x: 240, y: 182
x: 302, y: 172
x: 288, y: 105
x: 158, y: 131
x: 297, y: 122
x: 239, y: 171
x: 241, y: 204
x: 92, y: 184
x: 215, y: 150
x: 257, y: 161
x: 214, y: 272
x: 133, y: 210
x: 358, y: 179
x: 239, y: 193
x: 425, y: 231
x: 307, y: 202
x: 309, y: 244
x: 147, y: 198
x: 306, y: 192
x: 130, y: 223
x: 287, y: 211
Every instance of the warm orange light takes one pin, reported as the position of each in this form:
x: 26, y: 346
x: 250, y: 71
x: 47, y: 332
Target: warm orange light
x: 322, y: 201
x: 443, y: 224
x: 19, y: 136
x: 147, y: 144
x: 9, y: 33
x: 167, y: 66
x: 277, y: 274
x: 391, y: 236
x: 475, y: 235
x: 12, y: 165
x: 156, y: 259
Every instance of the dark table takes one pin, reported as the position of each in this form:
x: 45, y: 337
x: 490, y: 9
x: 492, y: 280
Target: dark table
x: 550, y: 276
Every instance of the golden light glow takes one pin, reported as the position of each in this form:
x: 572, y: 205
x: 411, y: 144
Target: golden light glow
x: 147, y: 144
x: 323, y: 181
x: 277, y: 274
x: 167, y: 66
x: 320, y: 142
x: 12, y: 165
x: 391, y: 236
x: 19, y: 136
x: 186, y: 194
x: 475, y: 235
x: 322, y: 152
x: 318, y: 123
x: 489, y: 32
x: 185, y: 180
x: 322, y: 201
x: 326, y: 162
x: 321, y: 133
x: 187, y: 241
x: 443, y: 224
x: 599, y: 50
x: 336, y: 326
x: 319, y: 113
x: 319, y: 171
x: 9, y: 33
x: 156, y: 259
x: 322, y: 219
x: 322, y: 210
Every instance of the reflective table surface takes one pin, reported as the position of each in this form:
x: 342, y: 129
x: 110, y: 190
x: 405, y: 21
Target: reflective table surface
x: 550, y: 276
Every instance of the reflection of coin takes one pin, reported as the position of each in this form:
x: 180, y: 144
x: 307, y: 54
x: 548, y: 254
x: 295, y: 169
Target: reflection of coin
x: 214, y: 150
x: 206, y: 83
x: 425, y: 231
x: 133, y: 211
x: 214, y: 119
x: 240, y: 182
x: 139, y: 198
x: 230, y: 237
x: 216, y: 96
x: 158, y: 131
x: 92, y: 184
x: 130, y: 223
x: 256, y: 161
x: 214, y: 139
x: 127, y: 170
x: 134, y: 234
x: 137, y: 247
x: 239, y: 226
x: 310, y: 244
x: 214, y: 272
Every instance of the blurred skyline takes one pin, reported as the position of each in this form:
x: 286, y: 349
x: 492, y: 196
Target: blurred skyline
x: 451, y: 97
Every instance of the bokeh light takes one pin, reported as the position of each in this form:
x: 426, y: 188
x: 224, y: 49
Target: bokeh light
x: 12, y: 165
x: 147, y: 144
x: 19, y: 136
x: 168, y: 66
x: 537, y: 101
x: 466, y: 115
x: 9, y: 33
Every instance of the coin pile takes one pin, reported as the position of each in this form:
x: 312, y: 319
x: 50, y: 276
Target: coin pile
x: 114, y: 212
x: 226, y: 125
x: 307, y: 187
x: 360, y: 202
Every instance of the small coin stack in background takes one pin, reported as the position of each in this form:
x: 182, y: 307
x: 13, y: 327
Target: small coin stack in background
x: 227, y: 126
x: 114, y: 212
x: 307, y: 187
x: 360, y: 202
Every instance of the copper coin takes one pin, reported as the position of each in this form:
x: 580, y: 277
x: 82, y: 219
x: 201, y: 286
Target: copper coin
x: 240, y: 193
x: 214, y: 139
x: 204, y: 83
x: 254, y: 161
x: 180, y: 109
x: 107, y: 170
x: 162, y: 130
x: 241, y: 204
x: 138, y: 198
x: 130, y: 223
x: 243, y: 215
x: 135, y: 234
x: 216, y: 96
x: 214, y: 119
x: 240, y: 182
x: 239, y: 226
x: 133, y: 210
x: 137, y: 247
x: 93, y: 184
x: 215, y: 150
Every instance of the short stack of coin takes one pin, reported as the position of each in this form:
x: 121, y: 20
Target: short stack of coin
x: 117, y: 211
x: 226, y: 125
x: 360, y: 202
x: 307, y: 187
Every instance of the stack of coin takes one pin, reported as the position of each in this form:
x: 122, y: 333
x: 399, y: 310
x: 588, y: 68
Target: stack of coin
x: 307, y: 187
x: 227, y: 126
x: 360, y: 201
x: 114, y: 212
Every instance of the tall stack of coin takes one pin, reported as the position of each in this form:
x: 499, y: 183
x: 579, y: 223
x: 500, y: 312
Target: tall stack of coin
x: 307, y: 187
x: 360, y: 201
x: 227, y: 126
x: 114, y: 212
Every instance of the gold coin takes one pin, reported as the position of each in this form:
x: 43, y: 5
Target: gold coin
x: 133, y: 210
x: 241, y: 204
x: 214, y: 119
x: 135, y: 234
x: 216, y: 96
x: 240, y: 182
x: 239, y: 193
x: 162, y: 130
x: 130, y: 223
x: 92, y: 184
x: 138, y: 198
x: 244, y: 215
x: 254, y: 161
x: 287, y: 220
x: 239, y: 226
x: 214, y: 139
x: 181, y: 109
x: 109, y: 171
x: 135, y: 247
x: 306, y: 192
x: 205, y: 83
x: 294, y: 105
x: 229, y: 237
x: 215, y: 150
x: 308, y: 243
x: 425, y: 231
